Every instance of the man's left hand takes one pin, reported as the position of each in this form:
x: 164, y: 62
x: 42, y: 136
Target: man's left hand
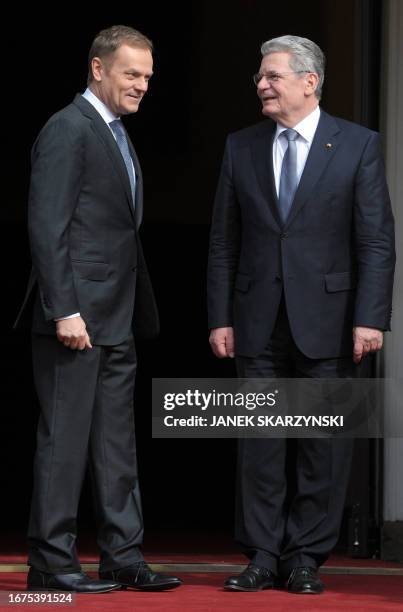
x: 366, y: 340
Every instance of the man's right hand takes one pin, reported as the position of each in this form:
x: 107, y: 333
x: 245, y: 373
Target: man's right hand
x: 73, y: 334
x: 222, y: 341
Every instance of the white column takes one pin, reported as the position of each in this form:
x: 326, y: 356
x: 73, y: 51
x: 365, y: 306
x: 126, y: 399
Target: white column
x: 392, y: 359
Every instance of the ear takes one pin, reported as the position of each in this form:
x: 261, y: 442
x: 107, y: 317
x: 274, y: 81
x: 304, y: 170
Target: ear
x: 311, y: 83
x: 97, y: 69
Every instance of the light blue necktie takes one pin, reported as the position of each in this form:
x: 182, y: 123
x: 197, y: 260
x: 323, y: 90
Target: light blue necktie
x: 288, y: 176
x: 119, y: 131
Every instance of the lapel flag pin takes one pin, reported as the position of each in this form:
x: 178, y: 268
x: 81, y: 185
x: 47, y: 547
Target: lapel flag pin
x: 329, y: 145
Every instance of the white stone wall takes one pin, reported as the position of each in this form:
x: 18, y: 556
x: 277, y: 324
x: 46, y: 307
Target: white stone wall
x: 392, y: 133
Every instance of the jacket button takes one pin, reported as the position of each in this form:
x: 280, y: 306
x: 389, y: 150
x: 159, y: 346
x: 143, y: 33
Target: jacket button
x: 283, y: 236
x: 278, y: 278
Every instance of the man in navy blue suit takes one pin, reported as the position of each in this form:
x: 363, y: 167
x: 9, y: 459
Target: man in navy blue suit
x: 90, y: 291
x: 300, y: 284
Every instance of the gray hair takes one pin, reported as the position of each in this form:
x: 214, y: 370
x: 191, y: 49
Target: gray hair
x: 305, y: 55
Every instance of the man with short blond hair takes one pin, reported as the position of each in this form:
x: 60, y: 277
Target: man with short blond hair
x: 92, y: 291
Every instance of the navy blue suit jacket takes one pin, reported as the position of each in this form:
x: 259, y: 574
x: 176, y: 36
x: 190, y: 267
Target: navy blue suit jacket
x: 86, y: 251
x: 333, y: 258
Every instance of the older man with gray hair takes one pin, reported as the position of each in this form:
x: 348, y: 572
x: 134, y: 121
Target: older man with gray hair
x: 300, y: 284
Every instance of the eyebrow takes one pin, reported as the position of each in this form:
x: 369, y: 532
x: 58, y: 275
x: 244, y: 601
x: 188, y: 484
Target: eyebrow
x: 137, y: 73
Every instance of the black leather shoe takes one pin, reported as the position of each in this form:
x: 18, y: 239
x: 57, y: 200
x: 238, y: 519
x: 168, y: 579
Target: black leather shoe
x: 305, y: 580
x: 140, y: 576
x: 77, y: 582
x: 253, y: 578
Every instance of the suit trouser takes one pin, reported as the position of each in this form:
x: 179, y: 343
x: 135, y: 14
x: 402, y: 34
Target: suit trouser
x: 86, y: 401
x: 275, y: 531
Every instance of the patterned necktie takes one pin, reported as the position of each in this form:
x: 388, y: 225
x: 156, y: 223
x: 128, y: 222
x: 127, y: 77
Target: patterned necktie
x: 119, y: 131
x: 288, y: 177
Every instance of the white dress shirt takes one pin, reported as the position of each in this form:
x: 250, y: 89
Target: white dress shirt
x: 306, y: 131
x: 99, y: 106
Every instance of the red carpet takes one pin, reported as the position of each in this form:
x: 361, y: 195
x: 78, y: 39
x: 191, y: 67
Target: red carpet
x: 214, y: 557
x: 204, y: 593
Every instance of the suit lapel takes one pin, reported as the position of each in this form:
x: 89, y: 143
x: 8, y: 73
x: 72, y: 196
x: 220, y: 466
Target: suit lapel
x: 318, y: 158
x: 138, y: 212
x: 262, y: 157
x: 105, y: 135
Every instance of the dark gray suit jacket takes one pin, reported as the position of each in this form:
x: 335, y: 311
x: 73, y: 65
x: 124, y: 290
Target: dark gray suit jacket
x: 83, y: 228
x: 334, y: 257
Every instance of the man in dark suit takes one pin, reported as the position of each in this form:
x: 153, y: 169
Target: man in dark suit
x: 92, y: 292
x: 300, y: 284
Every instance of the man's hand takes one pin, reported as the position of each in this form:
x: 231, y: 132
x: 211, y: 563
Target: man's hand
x: 73, y: 334
x: 222, y: 341
x: 366, y: 340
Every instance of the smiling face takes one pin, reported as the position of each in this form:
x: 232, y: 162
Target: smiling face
x: 289, y: 97
x: 121, y: 79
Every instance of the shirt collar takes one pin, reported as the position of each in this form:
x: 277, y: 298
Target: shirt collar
x: 305, y: 128
x: 99, y: 106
